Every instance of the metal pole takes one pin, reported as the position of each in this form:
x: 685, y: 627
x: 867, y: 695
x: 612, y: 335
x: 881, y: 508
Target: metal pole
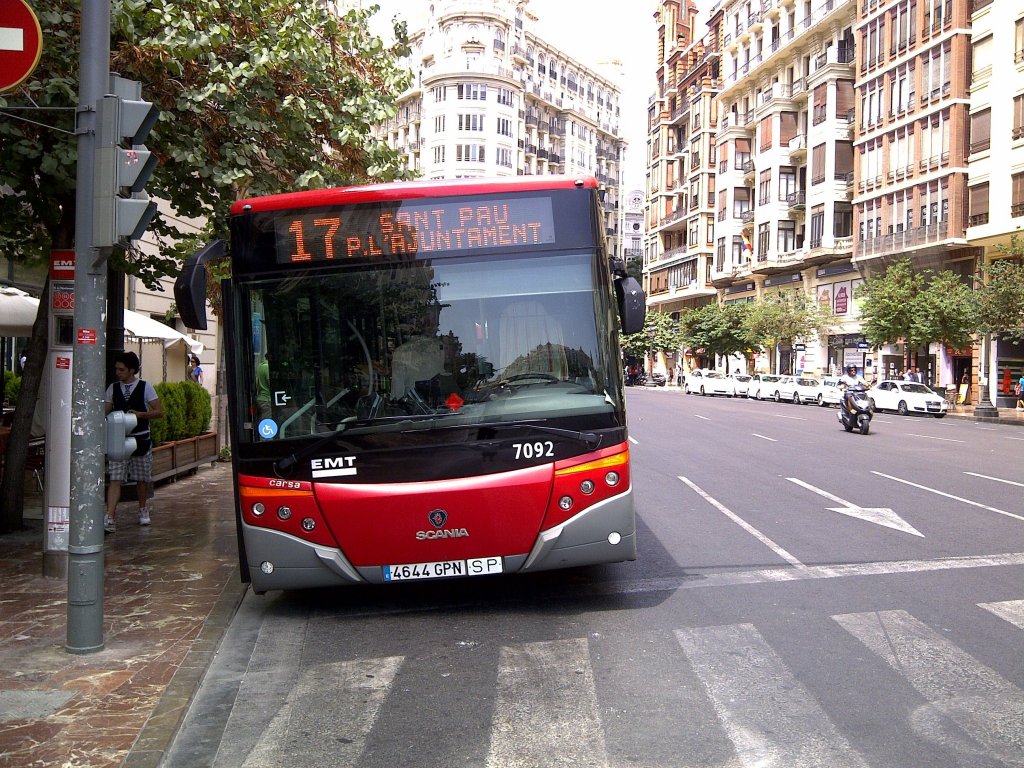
x: 85, y: 543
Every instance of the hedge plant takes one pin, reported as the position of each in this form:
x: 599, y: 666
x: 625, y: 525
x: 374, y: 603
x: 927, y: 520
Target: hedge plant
x: 187, y: 411
x: 12, y: 385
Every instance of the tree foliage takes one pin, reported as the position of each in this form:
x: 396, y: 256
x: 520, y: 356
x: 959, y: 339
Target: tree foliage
x: 255, y: 98
x: 719, y: 329
x: 660, y: 334
x: 904, y: 305
x: 784, y: 317
x: 1001, y: 297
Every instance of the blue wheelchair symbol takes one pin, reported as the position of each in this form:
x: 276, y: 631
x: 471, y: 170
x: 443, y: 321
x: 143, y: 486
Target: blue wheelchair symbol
x: 267, y: 428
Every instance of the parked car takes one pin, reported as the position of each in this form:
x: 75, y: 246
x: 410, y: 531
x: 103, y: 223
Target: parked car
x: 740, y: 384
x: 762, y: 385
x: 831, y: 392
x: 656, y: 379
x: 707, y: 382
x: 808, y: 390
x: 907, y: 397
x: 784, y: 389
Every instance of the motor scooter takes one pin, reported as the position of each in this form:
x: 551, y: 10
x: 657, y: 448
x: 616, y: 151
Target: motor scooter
x: 855, y: 410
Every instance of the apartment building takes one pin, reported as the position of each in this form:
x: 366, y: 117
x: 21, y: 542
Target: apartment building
x: 682, y: 120
x: 995, y: 193
x: 913, y: 92
x: 785, y: 150
x: 492, y: 98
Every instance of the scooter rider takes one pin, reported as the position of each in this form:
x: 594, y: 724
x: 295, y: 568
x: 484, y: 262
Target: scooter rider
x: 851, y: 381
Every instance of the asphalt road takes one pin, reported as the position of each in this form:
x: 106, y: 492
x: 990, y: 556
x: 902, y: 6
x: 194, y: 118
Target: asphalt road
x: 803, y: 598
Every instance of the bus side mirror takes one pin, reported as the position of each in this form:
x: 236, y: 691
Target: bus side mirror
x: 190, y: 285
x: 632, y: 304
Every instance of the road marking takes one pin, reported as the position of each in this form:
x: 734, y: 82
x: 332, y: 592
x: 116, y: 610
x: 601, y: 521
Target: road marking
x: 770, y: 439
x: 701, y: 417
x: 1015, y: 438
x: 932, y: 437
x: 1009, y: 610
x: 950, y: 496
x: 878, y: 515
x: 633, y: 441
x: 745, y: 525
x: 770, y: 716
x: 955, y: 685
x: 996, y: 479
x: 546, y: 710
x: 338, y: 702
x: 794, y: 418
x: 12, y: 39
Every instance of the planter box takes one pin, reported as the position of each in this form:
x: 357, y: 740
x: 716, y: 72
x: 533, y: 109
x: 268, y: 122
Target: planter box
x: 172, y: 459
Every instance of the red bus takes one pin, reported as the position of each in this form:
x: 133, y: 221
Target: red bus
x: 424, y: 381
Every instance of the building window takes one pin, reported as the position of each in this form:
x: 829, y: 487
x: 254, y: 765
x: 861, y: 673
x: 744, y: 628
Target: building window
x: 738, y: 256
x: 505, y: 97
x: 1018, y: 47
x: 740, y: 201
x: 787, y: 236
x: 1017, y: 195
x: 842, y: 220
x: 469, y: 153
x: 764, y: 189
x: 504, y: 126
x: 817, y: 225
x: 471, y: 122
x: 439, y: 154
x: 504, y: 157
x: 440, y: 93
x: 977, y: 197
x: 763, y: 233
x: 787, y: 182
x: 472, y: 91
x: 818, y: 164
x: 1018, y: 117
x: 720, y: 255
x: 439, y: 124
x: 981, y: 130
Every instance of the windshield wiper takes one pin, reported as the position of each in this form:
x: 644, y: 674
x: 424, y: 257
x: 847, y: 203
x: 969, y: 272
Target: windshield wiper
x: 590, y: 439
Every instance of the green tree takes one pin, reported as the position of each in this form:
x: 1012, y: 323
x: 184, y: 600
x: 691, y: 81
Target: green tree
x: 256, y: 98
x: 1001, y: 296
x: 905, y: 305
x: 661, y: 334
x: 720, y: 329
x: 783, y: 318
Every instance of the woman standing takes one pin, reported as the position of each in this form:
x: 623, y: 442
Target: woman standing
x: 196, y: 371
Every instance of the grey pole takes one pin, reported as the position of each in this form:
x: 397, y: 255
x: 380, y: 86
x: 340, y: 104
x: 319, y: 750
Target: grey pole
x: 85, y: 541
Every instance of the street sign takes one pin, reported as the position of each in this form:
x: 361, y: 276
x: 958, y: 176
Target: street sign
x: 21, y: 43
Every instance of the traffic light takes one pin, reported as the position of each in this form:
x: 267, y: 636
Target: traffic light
x: 121, y: 208
x: 120, y: 444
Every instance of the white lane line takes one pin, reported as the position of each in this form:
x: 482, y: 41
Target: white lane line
x: 697, y: 415
x: 763, y: 437
x: 1008, y: 610
x: 699, y: 580
x: 996, y: 479
x: 878, y: 515
x: 794, y: 418
x: 949, y: 496
x: 633, y: 441
x: 932, y: 437
x: 770, y: 716
x: 986, y: 429
x: 1015, y: 438
x: 546, y: 711
x: 744, y: 525
x: 955, y: 685
x: 339, y: 703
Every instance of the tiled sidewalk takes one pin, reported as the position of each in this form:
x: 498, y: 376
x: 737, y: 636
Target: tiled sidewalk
x: 170, y: 592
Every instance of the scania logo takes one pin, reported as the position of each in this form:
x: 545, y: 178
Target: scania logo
x: 437, y: 517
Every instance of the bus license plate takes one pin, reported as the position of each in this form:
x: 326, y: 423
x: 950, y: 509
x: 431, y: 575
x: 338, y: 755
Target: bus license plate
x: 479, y: 566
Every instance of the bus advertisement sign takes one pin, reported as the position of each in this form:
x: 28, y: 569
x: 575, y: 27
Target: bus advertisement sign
x: 406, y: 229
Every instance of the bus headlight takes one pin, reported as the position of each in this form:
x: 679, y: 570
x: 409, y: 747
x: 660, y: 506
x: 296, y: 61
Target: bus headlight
x: 587, y: 487
x: 283, y: 513
x: 258, y: 509
x: 612, y: 478
x: 565, y: 503
x: 308, y: 523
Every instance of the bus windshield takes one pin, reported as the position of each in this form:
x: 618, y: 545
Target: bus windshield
x: 421, y: 344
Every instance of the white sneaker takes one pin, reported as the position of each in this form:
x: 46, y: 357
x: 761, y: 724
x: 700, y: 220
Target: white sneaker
x: 144, y: 516
x: 108, y: 524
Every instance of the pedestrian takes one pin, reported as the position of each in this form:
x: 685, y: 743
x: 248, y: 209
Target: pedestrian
x: 263, y: 407
x: 132, y: 395
x: 1019, y: 392
x: 197, y: 370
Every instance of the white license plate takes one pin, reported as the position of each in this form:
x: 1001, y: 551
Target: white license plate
x: 479, y: 566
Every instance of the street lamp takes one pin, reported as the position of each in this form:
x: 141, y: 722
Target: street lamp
x: 985, y: 409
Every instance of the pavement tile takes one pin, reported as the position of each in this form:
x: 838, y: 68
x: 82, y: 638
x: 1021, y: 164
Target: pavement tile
x: 169, y: 593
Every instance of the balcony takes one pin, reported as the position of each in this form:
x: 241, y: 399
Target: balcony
x: 748, y: 169
x: 897, y: 242
x: 797, y: 201
x: 747, y: 216
x: 798, y: 146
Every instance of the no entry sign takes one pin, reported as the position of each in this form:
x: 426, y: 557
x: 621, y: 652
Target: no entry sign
x: 21, y: 42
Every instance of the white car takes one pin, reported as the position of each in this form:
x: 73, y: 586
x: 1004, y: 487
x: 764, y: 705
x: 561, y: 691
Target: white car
x: 831, y: 392
x: 740, y: 384
x: 808, y: 390
x: 762, y: 385
x: 784, y: 389
x: 707, y: 382
x: 907, y: 397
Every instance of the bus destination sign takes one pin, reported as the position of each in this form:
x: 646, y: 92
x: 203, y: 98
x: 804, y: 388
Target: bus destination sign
x: 407, y: 229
